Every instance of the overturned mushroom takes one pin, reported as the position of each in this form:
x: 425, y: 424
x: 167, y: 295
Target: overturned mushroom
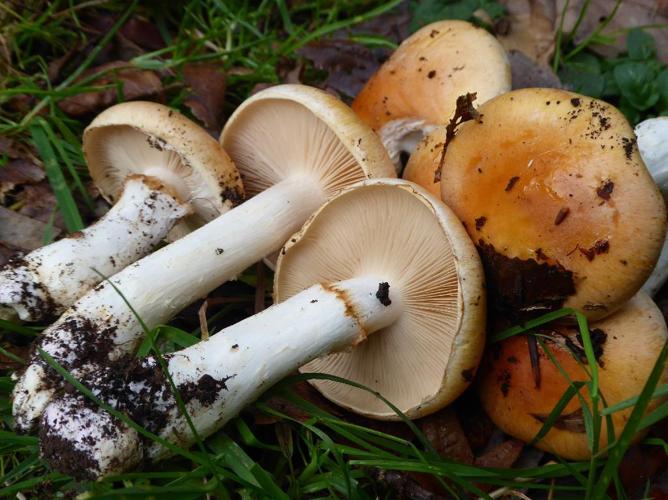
x: 360, y: 275
x: 551, y: 187
x: 626, y: 346
x: 417, y: 88
x: 156, y: 166
x: 298, y: 144
x: 653, y: 145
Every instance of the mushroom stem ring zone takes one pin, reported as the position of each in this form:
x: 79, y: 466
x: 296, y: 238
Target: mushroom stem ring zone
x: 159, y: 169
x: 296, y: 169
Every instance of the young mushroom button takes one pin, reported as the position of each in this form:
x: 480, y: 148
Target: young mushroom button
x: 550, y: 186
x: 626, y: 346
x: 157, y: 167
x: 416, y: 89
x: 404, y: 292
x: 296, y: 146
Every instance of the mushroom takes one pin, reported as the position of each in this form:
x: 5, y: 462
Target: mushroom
x: 425, y: 161
x: 384, y: 270
x: 653, y: 145
x: 627, y: 345
x: 417, y: 88
x: 300, y: 146
x: 551, y: 187
x: 156, y: 166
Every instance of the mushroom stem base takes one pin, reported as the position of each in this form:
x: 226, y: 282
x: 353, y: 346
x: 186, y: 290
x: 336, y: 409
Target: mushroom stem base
x: 218, y: 377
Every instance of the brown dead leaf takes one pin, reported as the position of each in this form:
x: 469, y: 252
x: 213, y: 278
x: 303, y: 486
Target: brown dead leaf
x: 349, y: 65
x: 142, y: 33
x: 38, y: 202
x: 527, y: 73
x: 503, y: 455
x: 16, y: 173
x: 530, y: 28
x: 207, y: 93
x: 444, y: 432
x: 136, y: 83
x: 7, y: 363
x: 404, y: 485
x: 631, y: 13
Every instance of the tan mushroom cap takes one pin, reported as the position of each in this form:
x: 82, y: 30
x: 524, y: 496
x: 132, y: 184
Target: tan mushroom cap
x: 291, y: 130
x: 425, y: 160
x: 635, y: 335
x: 552, y: 189
x: 150, y: 139
x: 420, y: 83
x: 397, y: 231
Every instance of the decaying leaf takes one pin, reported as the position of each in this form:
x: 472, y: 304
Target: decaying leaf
x: 20, y: 231
x: 132, y: 82
x: 37, y: 201
x: 207, y: 93
x: 16, y: 173
x: 530, y: 28
x: 528, y: 73
x: 403, y: 485
x: 503, y: 455
x: 349, y: 64
x: 445, y: 434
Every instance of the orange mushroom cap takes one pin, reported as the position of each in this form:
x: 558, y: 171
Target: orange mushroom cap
x: 551, y: 187
x: 628, y: 343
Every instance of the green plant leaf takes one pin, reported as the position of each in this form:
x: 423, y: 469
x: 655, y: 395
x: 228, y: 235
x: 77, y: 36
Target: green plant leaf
x: 640, y: 44
x: 637, y: 83
x: 429, y: 11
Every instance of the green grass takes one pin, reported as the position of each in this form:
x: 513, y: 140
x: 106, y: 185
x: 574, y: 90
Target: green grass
x: 325, y: 455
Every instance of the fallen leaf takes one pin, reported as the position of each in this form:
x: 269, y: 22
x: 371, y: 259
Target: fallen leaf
x: 136, y: 83
x: 6, y: 363
x: 207, y: 93
x: 502, y: 455
x: 37, y: 201
x: 631, y: 13
x: 403, y: 485
x: 142, y: 33
x: 20, y: 231
x: 445, y: 434
x: 349, y: 64
x: 16, y: 173
x: 529, y: 27
x: 528, y: 73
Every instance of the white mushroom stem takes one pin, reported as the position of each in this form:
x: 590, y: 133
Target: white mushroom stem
x: 49, y: 280
x: 218, y: 377
x: 652, y: 137
x: 100, y: 327
x: 403, y: 135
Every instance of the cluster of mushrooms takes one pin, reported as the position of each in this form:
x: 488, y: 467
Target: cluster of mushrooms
x: 546, y: 203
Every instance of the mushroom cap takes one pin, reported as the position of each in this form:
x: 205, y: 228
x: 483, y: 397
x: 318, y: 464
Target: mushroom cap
x: 552, y: 189
x: 635, y: 335
x: 296, y: 130
x: 396, y: 231
x: 150, y: 139
x: 425, y: 160
x: 421, y: 81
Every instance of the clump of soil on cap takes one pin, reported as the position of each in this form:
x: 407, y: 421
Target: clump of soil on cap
x: 524, y: 288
